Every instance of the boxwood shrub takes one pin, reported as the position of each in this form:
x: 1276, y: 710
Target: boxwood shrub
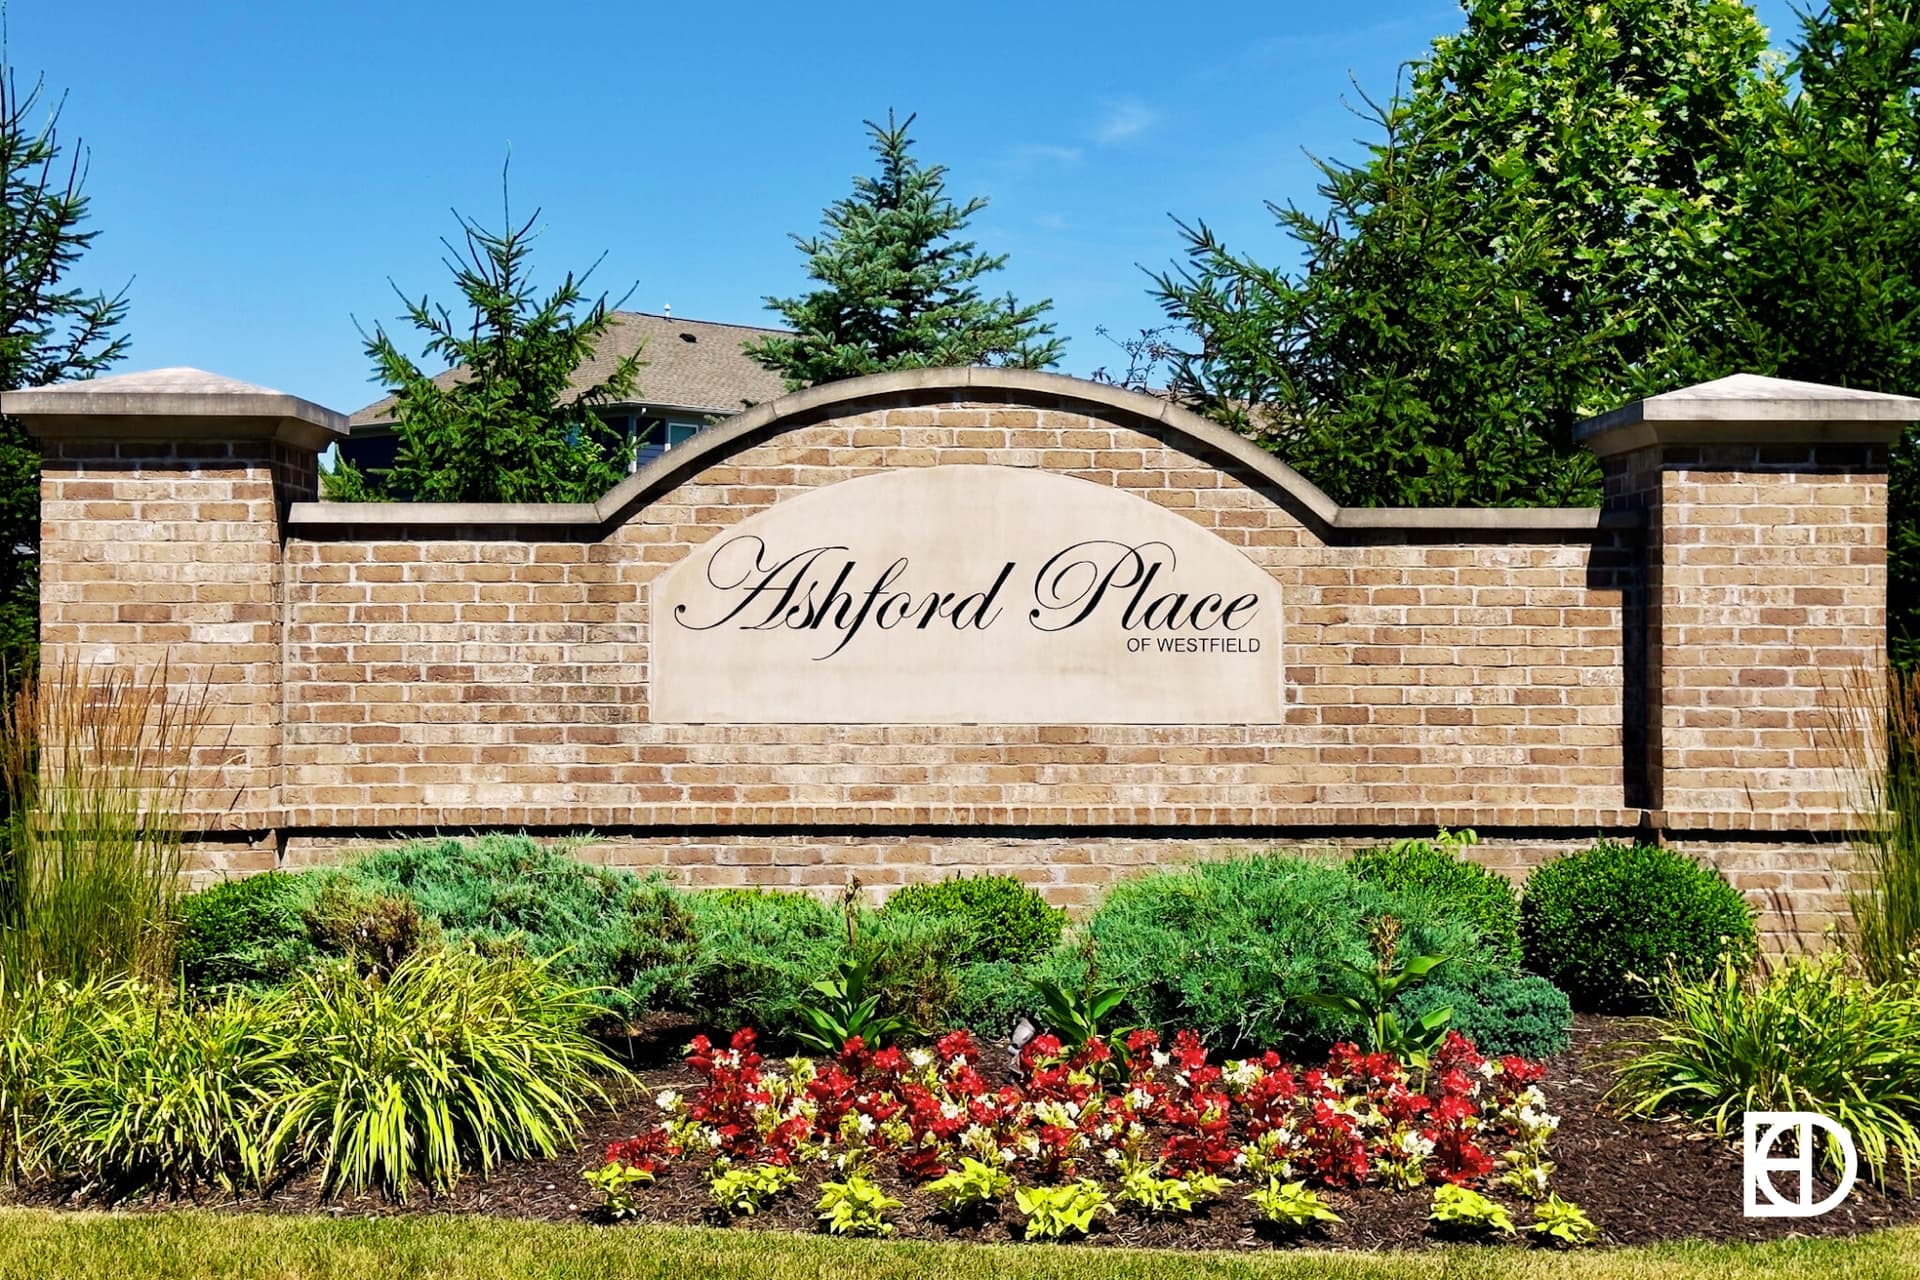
x: 248, y: 933
x: 1435, y: 869
x: 1604, y: 923
x: 1005, y: 920
x: 1229, y: 947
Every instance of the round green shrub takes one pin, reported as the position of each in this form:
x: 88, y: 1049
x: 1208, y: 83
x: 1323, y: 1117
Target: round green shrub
x: 1434, y: 869
x: 1500, y: 1013
x: 249, y: 932
x: 1005, y: 919
x: 1228, y: 948
x: 630, y: 938
x: 1602, y: 924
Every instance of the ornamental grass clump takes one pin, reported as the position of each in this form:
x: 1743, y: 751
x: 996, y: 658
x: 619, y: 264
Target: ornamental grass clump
x: 453, y: 1062
x: 96, y: 766
x: 1813, y: 1035
x: 1875, y: 725
x: 151, y: 1092
x: 41, y: 1020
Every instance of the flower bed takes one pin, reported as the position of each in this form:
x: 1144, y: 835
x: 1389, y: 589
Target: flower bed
x: 1083, y: 1134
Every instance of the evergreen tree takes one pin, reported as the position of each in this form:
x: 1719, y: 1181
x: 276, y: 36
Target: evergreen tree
x: 502, y: 428
x: 1556, y: 181
x: 898, y: 290
x: 50, y: 331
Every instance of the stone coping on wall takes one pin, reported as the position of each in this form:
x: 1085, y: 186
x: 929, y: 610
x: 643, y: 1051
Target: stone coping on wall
x: 1745, y: 409
x: 172, y: 404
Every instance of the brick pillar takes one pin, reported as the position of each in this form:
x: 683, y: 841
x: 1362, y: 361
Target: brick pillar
x: 1763, y: 583
x: 162, y: 501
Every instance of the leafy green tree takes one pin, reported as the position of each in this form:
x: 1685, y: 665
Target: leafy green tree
x: 50, y: 331
x: 1547, y: 189
x: 898, y: 291
x: 1821, y: 280
x: 502, y: 426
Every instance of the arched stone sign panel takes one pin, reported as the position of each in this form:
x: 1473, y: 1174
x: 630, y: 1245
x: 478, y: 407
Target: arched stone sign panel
x: 966, y: 594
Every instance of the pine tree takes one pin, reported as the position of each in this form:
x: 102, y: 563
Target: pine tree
x: 899, y: 291
x: 502, y: 428
x: 50, y: 331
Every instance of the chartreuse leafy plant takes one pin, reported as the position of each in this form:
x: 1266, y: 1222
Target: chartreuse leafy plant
x: 856, y: 1207
x: 616, y: 1183
x: 1464, y: 1211
x: 748, y: 1188
x: 1563, y: 1223
x: 970, y: 1188
x: 1813, y: 1035
x: 1290, y: 1205
x: 1144, y: 1189
x: 1053, y: 1213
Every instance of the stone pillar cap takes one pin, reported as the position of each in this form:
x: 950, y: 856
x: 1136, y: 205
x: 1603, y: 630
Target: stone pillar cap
x: 1746, y: 408
x: 172, y: 404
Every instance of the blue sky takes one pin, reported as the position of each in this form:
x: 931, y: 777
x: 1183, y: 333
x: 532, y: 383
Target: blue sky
x: 261, y: 170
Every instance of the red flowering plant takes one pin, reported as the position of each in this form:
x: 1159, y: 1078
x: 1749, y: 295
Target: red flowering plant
x: 1174, y: 1112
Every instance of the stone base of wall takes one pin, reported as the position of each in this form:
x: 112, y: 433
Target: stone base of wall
x: 1798, y: 889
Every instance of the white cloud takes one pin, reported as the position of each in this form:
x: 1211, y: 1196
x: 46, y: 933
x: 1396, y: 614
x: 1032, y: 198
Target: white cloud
x: 1032, y: 153
x: 1123, y: 119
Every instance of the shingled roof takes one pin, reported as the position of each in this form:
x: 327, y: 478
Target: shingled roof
x: 693, y: 365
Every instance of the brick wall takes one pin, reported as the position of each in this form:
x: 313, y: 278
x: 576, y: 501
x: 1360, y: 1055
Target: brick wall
x: 1538, y: 675
x: 435, y: 680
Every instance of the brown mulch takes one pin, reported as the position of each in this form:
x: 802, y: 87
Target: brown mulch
x: 1640, y: 1182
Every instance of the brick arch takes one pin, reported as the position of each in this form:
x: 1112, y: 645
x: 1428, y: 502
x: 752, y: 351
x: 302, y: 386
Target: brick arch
x: 1206, y: 440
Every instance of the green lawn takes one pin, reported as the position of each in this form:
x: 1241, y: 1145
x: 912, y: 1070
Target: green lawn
x: 38, y: 1245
